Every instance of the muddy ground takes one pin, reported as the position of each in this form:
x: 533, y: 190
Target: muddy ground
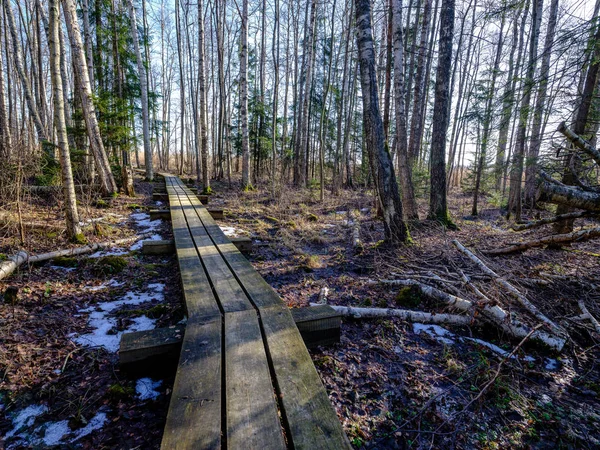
x: 394, y: 384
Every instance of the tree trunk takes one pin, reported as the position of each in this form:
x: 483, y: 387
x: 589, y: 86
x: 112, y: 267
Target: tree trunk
x: 516, y: 172
x: 246, y: 184
x: 21, y: 72
x: 109, y: 187
x: 438, y: 206
x: 538, y: 112
x: 202, y: 100
x: 395, y: 228
x: 144, y: 88
x: 487, y: 120
x: 408, y: 194
x: 5, y: 134
x: 72, y: 216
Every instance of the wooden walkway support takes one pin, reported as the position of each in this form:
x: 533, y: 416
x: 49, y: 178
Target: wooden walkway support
x: 245, y: 379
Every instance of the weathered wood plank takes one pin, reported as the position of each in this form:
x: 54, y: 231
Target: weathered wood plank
x: 227, y: 289
x: 242, y: 243
x: 252, y: 420
x: 141, y: 345
x: 216, y: 213
x: 163, y: 214
x: 162, y: 247
x: 199, y: 298
x: 311, y: 419
x: 194, y: 418
x: 318, y: 325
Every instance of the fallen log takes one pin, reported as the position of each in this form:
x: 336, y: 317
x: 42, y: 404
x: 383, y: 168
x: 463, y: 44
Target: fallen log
x: 9, y: 266
x: 588, y: 315
x: 514, y: 292
x: 575, y: 236
x: 491, y: 313
x: 560, y: 194
x: 412, y: 316
x: 579, y: 142
x: 539, y: 223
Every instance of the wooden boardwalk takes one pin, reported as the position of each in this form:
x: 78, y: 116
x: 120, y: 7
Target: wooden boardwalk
x: 245, y: 379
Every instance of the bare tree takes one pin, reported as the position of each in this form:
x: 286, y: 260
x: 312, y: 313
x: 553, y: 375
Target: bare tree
x: 396, y: 231
x: 70, y: 205
x: 438, y: 203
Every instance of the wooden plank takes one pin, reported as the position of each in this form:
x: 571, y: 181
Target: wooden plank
x: 195, y: 411
x: 252, y: 419
x: 162, y: 247
x: 227, y: 289
x: 261, y: 294
x: 141, y: 345
x: 216, y: 213
x: 311, y: 419
x: 310, y: 321
x: 156, y: 214
x: 242, y: 243
x: 199, y: 298
x: 161, y: 197
x: 318, y: 325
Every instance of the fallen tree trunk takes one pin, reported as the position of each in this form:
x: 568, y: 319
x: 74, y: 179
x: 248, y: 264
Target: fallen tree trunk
x: 588, y: 315
x: 412, y: 316
x: 580, y: 143
x: 574, y: 197
x: 492, y: 313
x: 10, y: 265
x: 581, y: 235
x: 514, y: 292
x: 539, y: 223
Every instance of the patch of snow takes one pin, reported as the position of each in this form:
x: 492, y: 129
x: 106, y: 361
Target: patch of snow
x: 142, y: 220
x: 66, y: 269
x: 103, y: 334
x: 117, y: 251
x: 491, y: 346
x: 55, y: 432
x: 435, y: 331
x: 231, y: 231
x: 445, y: 336
x: 341, y: 212
x: 146, y: 388
x: 551, y: 364
x: 138, y: 245
x: 95, y: 423
x: 365, y: 210
x: 25, y: 418
x: 158, y: 203
x: 110, y: 283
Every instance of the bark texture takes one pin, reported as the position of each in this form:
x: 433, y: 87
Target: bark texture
x: 396, y: 230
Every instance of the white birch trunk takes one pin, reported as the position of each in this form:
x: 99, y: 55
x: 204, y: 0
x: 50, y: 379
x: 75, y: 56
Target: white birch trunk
x: 143, y: 77
x: 72, y: 217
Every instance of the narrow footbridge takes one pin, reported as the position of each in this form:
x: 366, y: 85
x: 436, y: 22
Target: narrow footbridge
x: 245, y: 379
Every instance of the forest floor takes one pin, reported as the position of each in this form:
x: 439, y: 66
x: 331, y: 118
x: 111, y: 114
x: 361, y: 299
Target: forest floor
x: 394, y: 384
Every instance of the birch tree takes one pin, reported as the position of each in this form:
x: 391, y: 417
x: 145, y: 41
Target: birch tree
x: 396, y: 231
x: 70, y: 201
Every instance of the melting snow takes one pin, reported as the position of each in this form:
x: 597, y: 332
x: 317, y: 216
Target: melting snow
x: 551, y: 364
x: 103, y: 333
x: 435, y: 331
x: 95, y: 423
x: 142, y: 220
x: 55, y: 431
x: 146, y: 388
x: 25, y: 418
x: 110, y: 283
x: 440, y: 334
x: 138, y: 245
x: 159, y: 203
x: 231, y: 231
x: 118, y: 251
x: 66, y: 269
